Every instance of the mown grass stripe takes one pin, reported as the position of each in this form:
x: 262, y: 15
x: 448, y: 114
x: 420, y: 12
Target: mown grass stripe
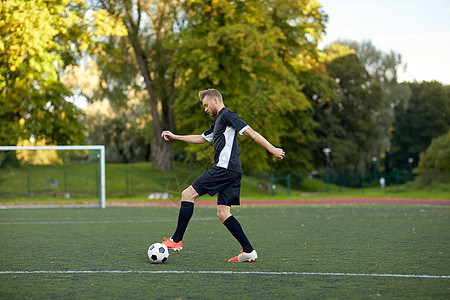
x: 228, y: 272
x: 100, y: 221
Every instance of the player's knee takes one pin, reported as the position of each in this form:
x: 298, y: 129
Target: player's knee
x: 186, y: 195
x: 223, y: 215
x: 189, y: 194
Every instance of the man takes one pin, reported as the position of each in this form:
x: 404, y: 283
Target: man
x: 224, y: 178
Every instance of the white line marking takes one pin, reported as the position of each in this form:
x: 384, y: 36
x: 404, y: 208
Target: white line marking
x: 101, y: 222
x: 227, y: 272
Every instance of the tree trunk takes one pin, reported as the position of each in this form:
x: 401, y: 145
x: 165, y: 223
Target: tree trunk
x: 170, y: 116
x: 161, y: 154
x: 161, y: 150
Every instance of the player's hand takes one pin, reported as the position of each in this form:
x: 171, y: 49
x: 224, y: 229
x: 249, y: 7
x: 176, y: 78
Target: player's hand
x: 167, y: 135
x: 278, y: 153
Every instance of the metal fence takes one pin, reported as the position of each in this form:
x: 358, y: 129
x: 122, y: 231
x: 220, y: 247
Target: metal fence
x: 81, y: 179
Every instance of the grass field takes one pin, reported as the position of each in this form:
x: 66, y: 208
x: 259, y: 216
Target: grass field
x: 136, y: 181
x: 311, y: 252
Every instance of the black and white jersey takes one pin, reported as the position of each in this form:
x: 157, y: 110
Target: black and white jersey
x: 223, y: 133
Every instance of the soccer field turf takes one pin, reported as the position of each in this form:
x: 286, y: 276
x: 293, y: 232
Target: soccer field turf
x: 337, y: 251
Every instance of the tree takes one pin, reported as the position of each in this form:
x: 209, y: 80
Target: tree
x: 151, y: 26
x: 39, y: 39
x: 434, y: 163
x: 122, y: 131
x: 321, y: 90
x: 354, y: 107
x: 118, y: 118
x: 247, y: 50
x: 382, y: 68
x: 418, y: 121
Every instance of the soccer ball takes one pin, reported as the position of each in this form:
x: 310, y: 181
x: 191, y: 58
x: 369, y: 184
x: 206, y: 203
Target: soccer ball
x: 158, y: 253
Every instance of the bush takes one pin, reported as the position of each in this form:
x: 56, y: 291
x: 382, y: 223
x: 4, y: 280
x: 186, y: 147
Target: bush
x: 434, y: 163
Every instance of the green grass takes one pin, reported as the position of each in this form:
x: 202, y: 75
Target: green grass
x: 30, y: 181
x: 135, y: 181
x: 360, y: 239
x: 314, y: 188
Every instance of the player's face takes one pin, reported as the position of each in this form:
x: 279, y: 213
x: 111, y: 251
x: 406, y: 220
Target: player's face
x: 210, y: 107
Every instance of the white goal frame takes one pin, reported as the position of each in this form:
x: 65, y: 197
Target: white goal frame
x: 78, y: 147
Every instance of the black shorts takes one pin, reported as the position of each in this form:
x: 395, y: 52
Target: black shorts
x: 225, y: 183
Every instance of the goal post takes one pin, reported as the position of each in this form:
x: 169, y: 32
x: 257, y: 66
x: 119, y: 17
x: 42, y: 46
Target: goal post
x: 52, y: 176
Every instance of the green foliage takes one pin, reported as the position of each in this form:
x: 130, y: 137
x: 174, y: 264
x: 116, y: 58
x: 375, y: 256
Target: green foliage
x: 434, y: 164
x: 247, y: 51
x: 352, y: 88
x: 39, y: 39
x: 262, y: 56
x: 349, y: 122
x: 122, y: 129
x: 380, y: 65
x: 418, y: 121
x: 142, y: 62
x: 382, y: 68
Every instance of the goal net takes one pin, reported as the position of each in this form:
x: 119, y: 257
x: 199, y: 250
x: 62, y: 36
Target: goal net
x: 52, y: 176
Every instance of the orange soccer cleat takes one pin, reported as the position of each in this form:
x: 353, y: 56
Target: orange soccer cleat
x: 244, y: 256
x: 171, y: 245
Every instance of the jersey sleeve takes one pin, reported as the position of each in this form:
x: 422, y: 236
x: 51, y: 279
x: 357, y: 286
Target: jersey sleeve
x: 209, y: 134
x: 237, y: 123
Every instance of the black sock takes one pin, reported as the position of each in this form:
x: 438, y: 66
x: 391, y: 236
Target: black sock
x: 236, y: 230
x: 186, y: 211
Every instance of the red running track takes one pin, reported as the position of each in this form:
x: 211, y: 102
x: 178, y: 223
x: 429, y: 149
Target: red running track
x: 291, y: 202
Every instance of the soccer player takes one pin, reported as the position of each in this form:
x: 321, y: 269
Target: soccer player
x: 224, y: 178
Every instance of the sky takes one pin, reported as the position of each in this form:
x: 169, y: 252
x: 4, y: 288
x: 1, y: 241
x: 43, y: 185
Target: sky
x: 418, y: 30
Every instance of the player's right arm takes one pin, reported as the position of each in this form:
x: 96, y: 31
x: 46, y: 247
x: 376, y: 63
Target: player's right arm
x: 191, y: 139
x: 277, y: 152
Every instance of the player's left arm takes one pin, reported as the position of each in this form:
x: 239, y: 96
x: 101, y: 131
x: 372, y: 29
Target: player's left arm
x: 277, y: 152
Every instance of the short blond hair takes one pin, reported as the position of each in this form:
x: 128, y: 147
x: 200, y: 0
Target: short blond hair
x: 210, y: 94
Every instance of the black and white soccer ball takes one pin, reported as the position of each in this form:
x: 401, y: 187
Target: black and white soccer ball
x: 158, y: 253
